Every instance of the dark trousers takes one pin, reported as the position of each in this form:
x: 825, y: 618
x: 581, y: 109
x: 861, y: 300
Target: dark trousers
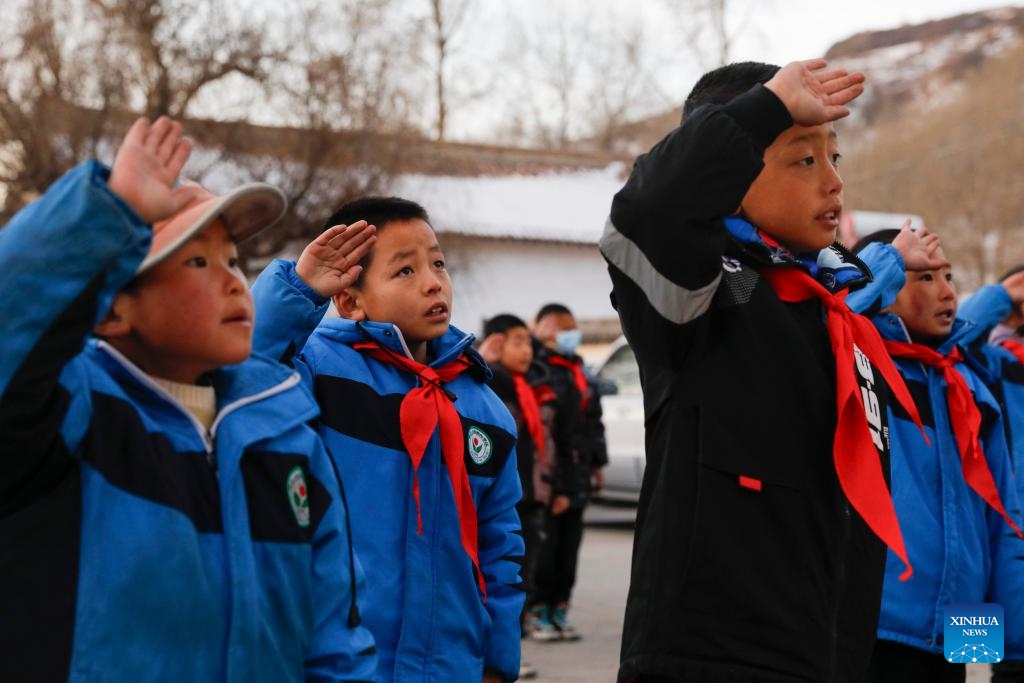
x: 556, y: 571
x: 895, y: 663
x: 1008, y: 672
x: 533, y: 517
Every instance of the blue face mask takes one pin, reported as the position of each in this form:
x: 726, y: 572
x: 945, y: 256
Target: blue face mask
x: 566, y: 341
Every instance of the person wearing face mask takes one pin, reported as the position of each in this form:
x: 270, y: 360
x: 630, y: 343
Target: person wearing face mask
x: 580, y: 455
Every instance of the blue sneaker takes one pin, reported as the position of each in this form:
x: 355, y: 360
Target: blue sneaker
x: 539, y: 626
x: 560, y: 620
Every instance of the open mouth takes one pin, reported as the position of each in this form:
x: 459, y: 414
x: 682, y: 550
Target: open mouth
x: 946, y: 316
x: 832, y: 216
x: 238, y: 317
x: 437, y: 310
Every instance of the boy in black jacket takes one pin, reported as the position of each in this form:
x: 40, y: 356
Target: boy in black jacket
x: 757, y: 554
x: 581, y: 454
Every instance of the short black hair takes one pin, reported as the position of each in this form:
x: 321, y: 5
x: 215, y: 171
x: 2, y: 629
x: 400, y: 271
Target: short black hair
x: 377, y: 211
x: 551, y: 309
x: 502, y: 323
x: 721, y: 85
x: 1012, y: 271
x: 885, y: 236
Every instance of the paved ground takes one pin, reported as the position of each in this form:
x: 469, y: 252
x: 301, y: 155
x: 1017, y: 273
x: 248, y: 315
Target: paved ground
x: 598, y: 603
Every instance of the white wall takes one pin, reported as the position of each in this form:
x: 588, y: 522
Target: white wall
x: 518, y: 276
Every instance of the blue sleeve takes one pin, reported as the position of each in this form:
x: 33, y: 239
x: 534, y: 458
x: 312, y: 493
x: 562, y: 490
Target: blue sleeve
x: 889, y: 272
x: 287, y: 312
x: 985, y: 309
x: 500, y: 551
x: 1006, y: 584
x: 63, y: 259
x: 342, y: 649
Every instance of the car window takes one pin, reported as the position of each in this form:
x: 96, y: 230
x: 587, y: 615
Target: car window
x: 622, y: 369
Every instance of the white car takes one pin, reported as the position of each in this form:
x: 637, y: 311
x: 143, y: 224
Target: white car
x: 622, y: 403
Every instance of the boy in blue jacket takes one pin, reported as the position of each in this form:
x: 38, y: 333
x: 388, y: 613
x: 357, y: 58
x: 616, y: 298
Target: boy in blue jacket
x: 997, y: 348
x: 955, y: 496
x: 165, y: 511
x: 425, y: 449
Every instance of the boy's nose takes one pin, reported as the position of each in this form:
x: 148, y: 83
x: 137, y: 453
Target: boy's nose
x: 432, y: 283
x: 833, y: 181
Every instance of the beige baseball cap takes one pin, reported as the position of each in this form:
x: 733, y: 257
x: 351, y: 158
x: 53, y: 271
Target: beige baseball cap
x: 245, y: 211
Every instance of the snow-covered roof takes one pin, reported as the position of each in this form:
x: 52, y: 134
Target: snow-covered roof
x: 555, y: 207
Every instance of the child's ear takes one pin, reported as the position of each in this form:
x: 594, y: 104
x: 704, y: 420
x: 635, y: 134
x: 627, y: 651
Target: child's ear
x: 114, y: 323
x: 348, y: 303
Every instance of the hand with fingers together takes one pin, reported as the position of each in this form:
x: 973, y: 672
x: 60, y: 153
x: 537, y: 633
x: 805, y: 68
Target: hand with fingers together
x: 146, y: 167
x: 920, y: 249
x: 814, y: 94
x: 491, y: 347
x: 330, y: 263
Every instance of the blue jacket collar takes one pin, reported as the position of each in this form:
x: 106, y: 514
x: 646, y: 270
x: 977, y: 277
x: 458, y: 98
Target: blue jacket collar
x: 442, y: 350
x: 834, y: 267
x: 892, y: 328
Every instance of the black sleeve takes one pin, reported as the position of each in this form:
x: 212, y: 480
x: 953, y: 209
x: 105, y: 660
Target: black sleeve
x: 665, y: 238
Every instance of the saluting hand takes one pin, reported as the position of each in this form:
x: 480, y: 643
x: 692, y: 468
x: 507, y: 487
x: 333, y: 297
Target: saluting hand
x: 146, y: 166
x: 920, y: 249
x: 814, y: 94
x: 330, y: 263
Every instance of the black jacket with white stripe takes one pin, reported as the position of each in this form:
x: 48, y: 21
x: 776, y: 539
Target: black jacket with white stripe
x: 749, y: 563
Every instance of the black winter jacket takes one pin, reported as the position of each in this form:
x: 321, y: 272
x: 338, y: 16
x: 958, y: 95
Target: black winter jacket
x: 749, y: 563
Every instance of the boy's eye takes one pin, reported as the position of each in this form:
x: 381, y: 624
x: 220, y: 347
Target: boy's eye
x: 233, y: 262
x: 835, y: 159
x: 439, y: 264
x: 807, y: 161
x: 927, y: 277
x: 196, y: 261
x: 405, y: 271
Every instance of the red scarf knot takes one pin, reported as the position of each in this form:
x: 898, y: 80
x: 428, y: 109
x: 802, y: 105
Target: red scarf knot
x: 857, y: 445
x: 531, y: 414
x: 423, y: 410
x: 579, y: 378
x: 1014, y: 347
x: 964, y: 417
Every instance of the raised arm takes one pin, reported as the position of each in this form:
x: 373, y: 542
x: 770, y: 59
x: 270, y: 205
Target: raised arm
x: 292, y: 297
x: 64, y: 257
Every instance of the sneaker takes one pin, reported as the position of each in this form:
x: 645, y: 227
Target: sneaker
x: 539, y: 625
x: 560, y: 620
x: 527, y: 670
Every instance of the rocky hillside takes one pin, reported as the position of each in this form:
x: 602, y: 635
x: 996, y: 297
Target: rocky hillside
x: 924, y: 65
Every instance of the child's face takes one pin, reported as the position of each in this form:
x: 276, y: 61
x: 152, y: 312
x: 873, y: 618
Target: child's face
x: 927, y: 304
x: 798, y: 196
x: 548, y: 327
x: 192, y: 313
x: 517, y: 351
x: 406, y: 283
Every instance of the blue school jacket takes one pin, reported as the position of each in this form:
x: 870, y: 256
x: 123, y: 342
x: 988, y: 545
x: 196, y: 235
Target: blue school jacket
x: 961, y: 549
x: 1002, y: 371
x: 422, y: 601
x: 134, y: 544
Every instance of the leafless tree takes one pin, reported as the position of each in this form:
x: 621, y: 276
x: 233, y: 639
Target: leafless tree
x: 957, y: 165
x: 446, y: 18
x: 73, y: 74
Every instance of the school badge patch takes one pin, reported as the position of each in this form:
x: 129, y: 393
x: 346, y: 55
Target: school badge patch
x: 298, y: 496
x: 480, y: 446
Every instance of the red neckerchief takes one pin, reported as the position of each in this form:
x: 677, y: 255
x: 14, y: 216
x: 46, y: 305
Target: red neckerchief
x: 531, y: 414
x: 422, y: 409
x: 578, y: 377
x: 1014, y: 347
x: 965, y: 418
x: 856, y: 458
